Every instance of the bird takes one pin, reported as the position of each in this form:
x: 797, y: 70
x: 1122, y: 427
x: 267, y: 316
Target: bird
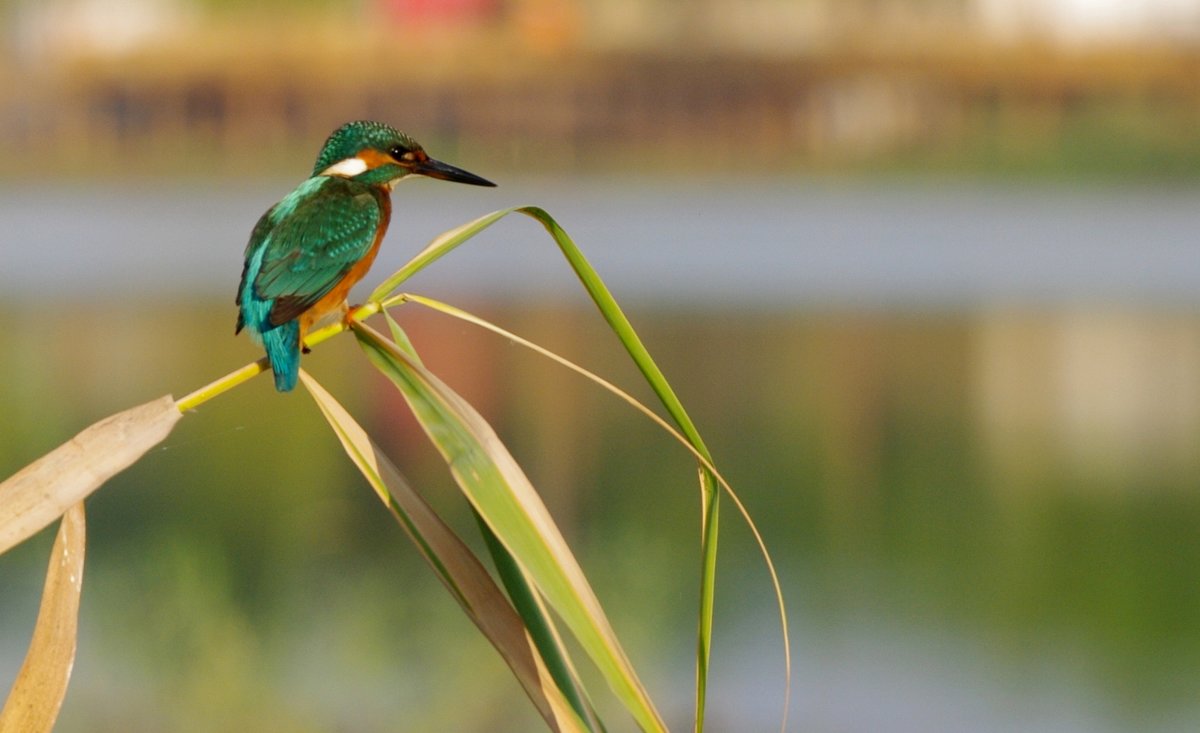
x: 307, y: 251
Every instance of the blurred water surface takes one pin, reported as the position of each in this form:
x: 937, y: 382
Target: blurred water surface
x: 759, y: 241
x: 966, y: 417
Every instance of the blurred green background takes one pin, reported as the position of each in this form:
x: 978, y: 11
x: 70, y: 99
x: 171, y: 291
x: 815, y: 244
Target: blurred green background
x: 923, y: 270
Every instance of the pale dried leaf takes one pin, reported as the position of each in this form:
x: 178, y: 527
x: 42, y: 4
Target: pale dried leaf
x: 41, y: 685
x: 36, y: 495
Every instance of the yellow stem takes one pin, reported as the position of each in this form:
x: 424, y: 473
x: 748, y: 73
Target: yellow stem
x: 225, y: 383
x: 234, y: 378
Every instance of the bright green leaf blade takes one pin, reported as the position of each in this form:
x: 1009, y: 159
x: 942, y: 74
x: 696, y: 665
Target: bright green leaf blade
x: 621, y: 326
x: 503, y: 496
x: 453, y: 562
x: 539, y: 624
x: 400, y: 337
x: 38, y: 692
x: 624, y: 331
x: 36, y: 495
x: 441, y: 245
x: 591, y: 281
x: 675, y: 434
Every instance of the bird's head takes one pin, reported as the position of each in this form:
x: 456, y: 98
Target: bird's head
x: 380, y: 155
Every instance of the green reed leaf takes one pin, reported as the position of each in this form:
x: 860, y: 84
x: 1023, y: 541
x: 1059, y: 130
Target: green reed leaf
x: 502, y: 495
x: 452, y: 561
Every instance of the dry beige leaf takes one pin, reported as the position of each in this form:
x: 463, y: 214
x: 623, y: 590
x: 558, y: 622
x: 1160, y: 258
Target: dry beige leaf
x: 41, y: 685
x: 36, y: 495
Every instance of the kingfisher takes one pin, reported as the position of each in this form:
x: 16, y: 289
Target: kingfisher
x: 308, y: 250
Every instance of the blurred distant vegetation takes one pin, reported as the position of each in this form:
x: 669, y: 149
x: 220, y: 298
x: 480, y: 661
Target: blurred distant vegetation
x: 551, y: 85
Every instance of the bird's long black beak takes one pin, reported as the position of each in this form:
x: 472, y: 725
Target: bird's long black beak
x: 444, y: 171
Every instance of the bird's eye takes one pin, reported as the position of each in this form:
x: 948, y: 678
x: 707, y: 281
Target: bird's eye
x: 400, y: 153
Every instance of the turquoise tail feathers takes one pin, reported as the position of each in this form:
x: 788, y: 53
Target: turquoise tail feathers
x: 281, y: 342
x: 283, y: 349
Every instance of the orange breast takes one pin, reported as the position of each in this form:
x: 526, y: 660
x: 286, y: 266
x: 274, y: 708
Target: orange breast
x: 336, y: 298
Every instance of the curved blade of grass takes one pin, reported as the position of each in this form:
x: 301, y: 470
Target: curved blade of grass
x: 539, y: 624
x: 36, y: 495
x: 400, y: 337
x: 637, y: 351
x: 498, y: 489
x: 452, y: 561
x: 609, y: 309
x: 621, y: 326
x: 629, y: 399
x: 440, y: 246
x: 38, y: 692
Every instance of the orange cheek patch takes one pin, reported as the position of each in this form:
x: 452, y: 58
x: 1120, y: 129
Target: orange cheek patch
x: 373, y: 158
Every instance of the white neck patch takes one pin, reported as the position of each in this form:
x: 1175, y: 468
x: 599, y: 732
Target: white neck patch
x: 347, y: 168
